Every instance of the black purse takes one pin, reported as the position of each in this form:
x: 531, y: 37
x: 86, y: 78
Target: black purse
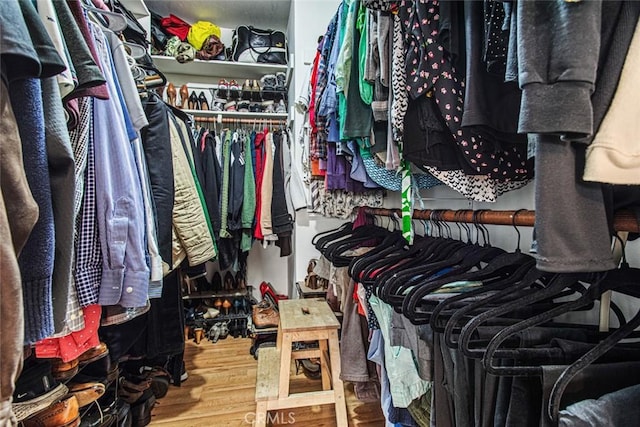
x: 263, y: 46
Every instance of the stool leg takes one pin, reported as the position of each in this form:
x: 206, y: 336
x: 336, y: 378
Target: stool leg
x: 338, y: 387
x: 261, y: 415
x: 324, y: 365
x: 285, y: 365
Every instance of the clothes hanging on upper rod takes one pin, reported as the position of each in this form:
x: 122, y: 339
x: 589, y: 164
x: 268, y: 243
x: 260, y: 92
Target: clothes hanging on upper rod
x: 475, y: 91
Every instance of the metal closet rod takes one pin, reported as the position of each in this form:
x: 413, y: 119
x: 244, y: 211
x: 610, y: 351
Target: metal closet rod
x: 624, y: 220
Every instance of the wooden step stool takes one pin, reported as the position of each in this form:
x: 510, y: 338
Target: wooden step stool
x: 301, y: 320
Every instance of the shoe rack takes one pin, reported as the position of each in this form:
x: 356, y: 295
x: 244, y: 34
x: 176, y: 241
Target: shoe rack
x: 217, y: 308
x: 197, y: 87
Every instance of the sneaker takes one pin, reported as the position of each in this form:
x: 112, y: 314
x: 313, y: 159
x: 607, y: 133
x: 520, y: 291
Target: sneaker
x: 234, y: 90
x: 281, y: 107
x: 268, y: 107
x: 243, y: 106
x: 255, y: 107
x: 269, y: 82
x: 230, y: 106
x: 218, y: 104
x: 281, y: 80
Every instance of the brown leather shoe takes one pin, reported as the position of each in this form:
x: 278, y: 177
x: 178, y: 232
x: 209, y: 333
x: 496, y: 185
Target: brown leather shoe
x: 265, y: 316
x: 62, y: 414
x: 86, y: 393
x: 63, y: 370
x: 93, y: 354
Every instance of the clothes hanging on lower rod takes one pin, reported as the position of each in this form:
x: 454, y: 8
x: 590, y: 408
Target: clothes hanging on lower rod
x: 469, y: 335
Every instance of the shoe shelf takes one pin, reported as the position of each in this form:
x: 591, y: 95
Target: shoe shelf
x: 237, y: 114
x: 170, y: 65
x: 220, y: 294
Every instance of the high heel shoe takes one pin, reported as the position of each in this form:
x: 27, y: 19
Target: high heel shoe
x: 184, y: 96
x: 217, y: 303
x: 198, y: 333
x: 240, y: 281
x: 216, y: 282
x: 202, y: 100
x: 237, y: 304
x: 256, y: 94
x: 193, y: 101
x: 229, y: 283
x: 226, y: 305
x: 171, y: 94
x: 246, y: 90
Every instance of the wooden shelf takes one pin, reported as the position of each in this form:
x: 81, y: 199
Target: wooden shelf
x: 227, y: 69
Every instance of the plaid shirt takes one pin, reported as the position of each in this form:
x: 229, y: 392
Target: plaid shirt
x: 88, y: 256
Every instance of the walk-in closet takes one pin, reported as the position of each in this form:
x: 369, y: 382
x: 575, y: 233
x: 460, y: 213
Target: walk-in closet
x: 364, y: 213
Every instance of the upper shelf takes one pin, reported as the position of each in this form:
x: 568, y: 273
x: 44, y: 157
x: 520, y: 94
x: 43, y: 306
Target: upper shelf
x: 228, y: 69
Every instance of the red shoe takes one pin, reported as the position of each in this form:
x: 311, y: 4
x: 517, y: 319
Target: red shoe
x: 267, y: 289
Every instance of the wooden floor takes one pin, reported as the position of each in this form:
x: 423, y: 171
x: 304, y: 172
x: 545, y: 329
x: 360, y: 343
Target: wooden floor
x: 220, y: 392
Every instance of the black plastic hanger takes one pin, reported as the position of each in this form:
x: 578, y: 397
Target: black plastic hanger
x: 557, y: 284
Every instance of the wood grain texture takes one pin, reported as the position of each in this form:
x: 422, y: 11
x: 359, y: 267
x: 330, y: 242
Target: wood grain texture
x: 220, y: 392
x: 306, y: 315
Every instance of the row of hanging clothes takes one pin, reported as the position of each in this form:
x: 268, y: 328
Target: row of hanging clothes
x: 462, y: 333
x: 251, y: 191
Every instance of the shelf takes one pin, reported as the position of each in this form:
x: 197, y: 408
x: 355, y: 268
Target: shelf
x: 170, y: 65
x: 237, y: 114
x: 306, y: 292
x: 221, y: 294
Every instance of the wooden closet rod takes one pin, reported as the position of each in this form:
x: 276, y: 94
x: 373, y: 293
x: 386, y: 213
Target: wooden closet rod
x: 231, y: 120
x: 624, y: 220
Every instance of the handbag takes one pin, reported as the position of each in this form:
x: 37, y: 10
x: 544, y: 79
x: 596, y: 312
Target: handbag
x: 251, y: 44
x: 135, y: 32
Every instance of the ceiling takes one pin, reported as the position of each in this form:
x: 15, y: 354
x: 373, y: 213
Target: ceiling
x: 265, y: 14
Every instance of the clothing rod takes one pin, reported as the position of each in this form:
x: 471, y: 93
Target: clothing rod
x: 624, y: 220
x: 260, y: 121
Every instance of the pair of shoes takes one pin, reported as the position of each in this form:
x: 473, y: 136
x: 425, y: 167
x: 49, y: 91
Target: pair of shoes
x: 243, y: 106
x: 268, y: 292
x: 281, y: 108
x: 220, y: 330
x: 230, y: 106
x: 228, y: 89
x: 251, y: 91
x: 198, y: 102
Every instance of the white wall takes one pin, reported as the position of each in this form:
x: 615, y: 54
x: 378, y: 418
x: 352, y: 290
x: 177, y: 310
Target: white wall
x: 311, y: 18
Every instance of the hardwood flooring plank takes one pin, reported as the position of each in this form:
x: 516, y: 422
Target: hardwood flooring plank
x: 220, y: 392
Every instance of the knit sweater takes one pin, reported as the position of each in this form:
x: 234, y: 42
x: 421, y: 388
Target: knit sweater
x: 36, y: 259
x: 614, y: 156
